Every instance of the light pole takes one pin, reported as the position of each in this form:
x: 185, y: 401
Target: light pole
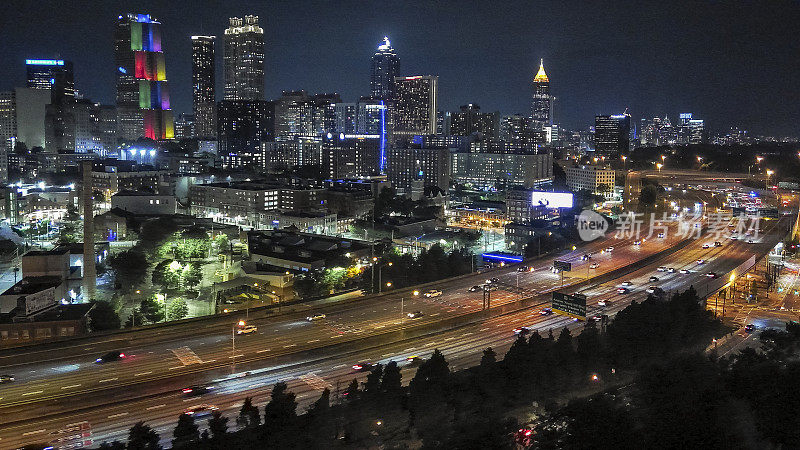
x: 766, y: 183
x: 624, y: 162
x: 380, y: 277
x: 241, y: 323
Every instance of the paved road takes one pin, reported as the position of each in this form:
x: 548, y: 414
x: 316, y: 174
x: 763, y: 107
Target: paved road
x: 146, y: 386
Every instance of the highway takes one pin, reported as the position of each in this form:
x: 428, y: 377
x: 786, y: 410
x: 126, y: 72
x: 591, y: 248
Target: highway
x: 62, y: 386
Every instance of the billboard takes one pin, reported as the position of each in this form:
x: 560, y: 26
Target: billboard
x: 563, y: 266
x: 570, y: 305
x: 551, y: 200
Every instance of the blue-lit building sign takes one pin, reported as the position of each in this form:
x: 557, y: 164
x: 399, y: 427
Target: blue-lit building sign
x: 44, y: 62
x: 383, y: 135
x: 502, y: 257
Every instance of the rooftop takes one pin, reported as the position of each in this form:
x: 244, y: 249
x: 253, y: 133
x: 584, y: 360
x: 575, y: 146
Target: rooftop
x: 32, y: 285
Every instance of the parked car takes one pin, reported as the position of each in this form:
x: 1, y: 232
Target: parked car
x: 594, y: 265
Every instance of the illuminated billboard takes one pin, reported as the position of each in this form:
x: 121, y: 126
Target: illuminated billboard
x: 552, y: 199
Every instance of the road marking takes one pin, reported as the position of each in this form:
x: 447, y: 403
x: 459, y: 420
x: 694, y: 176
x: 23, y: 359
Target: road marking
x: 143, y: 373
x: 335, y: 336
x: 114, y: 416
x: 176, y: 367
x: 255, y: 385
x: 434, y: 315
x: 32, y: 393
x: 210, y: 361
x: 107, y: 380
x: 263, y: 351
x: 385, y: 355
x: 313, y: 340
x: 290, y: 345
x: 484, y: 329
x: 380, y: 326
x: 157, y: 406
x: 339, y: 366
x: 34, y: 432
x: 449, y: 339
x: 236, y: 356
x: 70, y: 386
x: 467, y: 334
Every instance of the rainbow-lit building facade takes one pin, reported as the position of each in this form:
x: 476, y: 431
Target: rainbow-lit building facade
x: 142, y: 90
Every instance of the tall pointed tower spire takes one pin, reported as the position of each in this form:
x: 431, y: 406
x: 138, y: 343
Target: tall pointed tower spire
x: 541, y: 77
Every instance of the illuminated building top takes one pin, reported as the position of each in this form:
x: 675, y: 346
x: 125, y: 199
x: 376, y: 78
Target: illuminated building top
x: 541, y: 77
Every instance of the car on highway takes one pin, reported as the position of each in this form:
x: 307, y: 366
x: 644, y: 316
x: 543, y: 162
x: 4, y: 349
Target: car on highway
x: 247, y: 329
x: 110, y: 357
x: 627, y: 283
x: 546, y: 312
x: 200, y: 410
x: 711, y: 275
x: 685, y: 271
x: 523, y: 331
x: 415, y: 314
x: 596, y: 318
x: 586, y: 256
x: 622, y: 290
x: 553, y: 269
x: 609, y: 249
x: 734, y: 236
x: 651, y: 289
x: 749, y: 328
x: 671, y: 270
x: 594, y: 265
x: 717, y: 244
x: 750, y: 241
x: 7, y: 378
x: 661, y: 235
x: 524, y: 269
x: 196, y: 390
x: 475, y: 288
x: 314, y: 317
x: 706, y: 245
x: 701, y: 261
x: 414, y: 361
x: 494, y: 279
x: 433, y: 293
x: 603, y: 302
x: 362, y: 367
x: 662, y: 268
x: 653, y: 279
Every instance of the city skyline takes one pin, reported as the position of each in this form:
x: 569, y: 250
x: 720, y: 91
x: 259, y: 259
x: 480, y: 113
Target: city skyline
x: 593, y: 70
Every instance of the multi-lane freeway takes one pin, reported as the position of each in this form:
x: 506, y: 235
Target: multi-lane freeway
x: 63, y: 385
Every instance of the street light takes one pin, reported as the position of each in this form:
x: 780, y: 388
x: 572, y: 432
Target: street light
x: 241, y: 323
x: 769, y: 174
x: 624, y: 162
x: 659, y: 166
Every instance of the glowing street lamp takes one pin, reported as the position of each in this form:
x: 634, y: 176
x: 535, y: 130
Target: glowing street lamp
x: 659, y: 166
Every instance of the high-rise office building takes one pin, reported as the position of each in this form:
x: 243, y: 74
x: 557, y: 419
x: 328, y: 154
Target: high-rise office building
x: 241, y: 127
x: 8, y: 120
x: 294, y: 116
x: 351, y: 156
x: 244, y: 59
x: 203, y: 86
x: 346, y: 115
x: 142, y: 91
x: 612, y: 133
x: 325, y: 113
x: 415, y: 105
x: 54, y: 75
x: 385, y: 67
x: 542, y: 101
x: 469, y: 119
x: 691, y: 130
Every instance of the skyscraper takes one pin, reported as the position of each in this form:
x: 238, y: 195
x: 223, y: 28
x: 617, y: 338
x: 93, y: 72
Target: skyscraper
x: 142, y: 91
x: 244, y: 59
x: 242, y: 126
x: 470, y: 120
x: 612, y: 133
x: 203, y: 101
x: 385, y: 67
x: 415, y: 105
x: 54, y: 75
x: 542, y: 102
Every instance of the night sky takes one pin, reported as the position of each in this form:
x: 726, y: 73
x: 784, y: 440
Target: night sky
x: 727, y: 63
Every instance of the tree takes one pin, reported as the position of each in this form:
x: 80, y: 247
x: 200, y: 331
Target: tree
x: 134, y: 319
x: 167, y: 274
x: 192, y: 275
x: 373, y: 384
x: 648, y: 195
x: 103, y: 317
x: 177, y: 310
x: 142, y: 437
x: 151, y: 310
x: 352, y: 392
x: 130, y: 269
x: 391, y: 384
x: 489, y: 358
x: 113, y: 445
x: 186, y: 432
x: 281, y: 410
x: 218, y: 424
x: 319, y: 420
x: 248, y: 415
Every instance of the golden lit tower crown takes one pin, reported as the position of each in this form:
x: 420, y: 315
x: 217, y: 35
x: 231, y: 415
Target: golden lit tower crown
x: 541, y: 77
